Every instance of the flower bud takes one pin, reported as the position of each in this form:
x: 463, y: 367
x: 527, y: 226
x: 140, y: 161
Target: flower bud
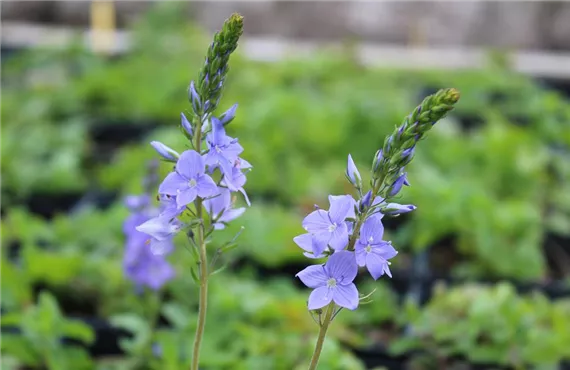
x: 352, y: 173
x: 164, y: 151
x: 194, y: 98
x: 185, y: 124
x: 397, y: 185
x: 228, y: 115
x: 365, y: 201
x: 395, y: 209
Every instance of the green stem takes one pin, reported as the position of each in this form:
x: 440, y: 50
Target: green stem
x: 322, y: 333
x: 203, y: 302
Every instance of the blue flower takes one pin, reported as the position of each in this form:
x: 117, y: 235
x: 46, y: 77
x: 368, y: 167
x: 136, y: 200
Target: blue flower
x: 161, y: 231
x: 235, y: 180
x: 371, y: 250
x: 223, y: 150
x: 332, y: 282
x: 189, y: 180
x: 220, y: 209
x: 329, y: 227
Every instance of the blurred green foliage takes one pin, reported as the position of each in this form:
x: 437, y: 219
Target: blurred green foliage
x: 489, y: 325
x: 493, y: 177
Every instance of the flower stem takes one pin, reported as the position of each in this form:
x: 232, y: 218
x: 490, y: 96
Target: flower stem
x: 203, y: 301
x: 322, y: 333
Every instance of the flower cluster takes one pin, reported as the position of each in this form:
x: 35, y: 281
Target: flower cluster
x: 192, y: 180
x: 350, y: 233
x: 139, y: 264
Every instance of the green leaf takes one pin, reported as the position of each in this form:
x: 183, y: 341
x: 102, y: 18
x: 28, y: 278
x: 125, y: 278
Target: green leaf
x: 75, y: 329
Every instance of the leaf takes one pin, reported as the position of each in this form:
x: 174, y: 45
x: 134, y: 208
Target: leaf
x: 75, y: 329
x: 176, y: 315
x: 21, y: 349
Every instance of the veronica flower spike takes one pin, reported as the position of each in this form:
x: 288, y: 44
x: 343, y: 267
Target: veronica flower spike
x: 371, y: 250
x: 350, y: 233
x: 189, y: 192
x: 188, y: 180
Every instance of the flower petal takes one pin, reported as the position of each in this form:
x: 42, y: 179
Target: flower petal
x: 342, y: 266
x: 360, y: 254
x: 304, y: 241
x: 216, y: 205
x: 313, y: 276
x: 341, y: 207
x: 160, y: 247
x: 172, y: 184
x: 385, y: 250
x: 317, y: 221
x: 339, y: 237
x: 375, y: 265
x: 190, y: 164
x: 158, y: 227
x: 231, y: 214
x: 186, y: 197
x: 346, y: 296
x: 206, y: 187
x: 372, y: 230
x: 320, y: 297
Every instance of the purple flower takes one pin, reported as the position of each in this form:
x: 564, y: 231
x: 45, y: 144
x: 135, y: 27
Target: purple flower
x: 223, y: 150
x: 364, y: 203
x: 169, y: 207
x: 189, y: 180
x: 186, y: 124
x: 144, y: 268
x: 329, y: 227
x: 139, y: 264
x: 371, y: 250
x: 352, y: 172
x: 307, y: 243
x: 161, y: 230
x: 220, y: 209
x: 235, y: 180
x: 332, y: 281
x: 164, y: 151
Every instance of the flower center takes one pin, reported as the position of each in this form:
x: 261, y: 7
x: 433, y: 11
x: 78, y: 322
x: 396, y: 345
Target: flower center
x: 192, y: 183
x: 332, y: 227
x: 331, y: 283
x: 368, y: 248
x: 218, y: 149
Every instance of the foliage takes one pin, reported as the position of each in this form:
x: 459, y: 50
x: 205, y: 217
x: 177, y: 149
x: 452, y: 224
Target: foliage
x: 489, y: 325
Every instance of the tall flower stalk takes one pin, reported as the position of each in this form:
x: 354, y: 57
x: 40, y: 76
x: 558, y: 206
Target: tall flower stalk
x: 350, y: 234
x: 196, y: 197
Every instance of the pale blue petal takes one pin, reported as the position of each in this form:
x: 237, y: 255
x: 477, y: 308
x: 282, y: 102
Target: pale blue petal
x: 317, y: 221
x: 342, y: 266
x: 186, y: 197
x: 339, y: 237
x: 190, y: 164
x: 320, y: 297
x: 313, y: 276
x: 206, y: 187
x: 172, y: 184
x: 346, y: 296
x: 341, y: 206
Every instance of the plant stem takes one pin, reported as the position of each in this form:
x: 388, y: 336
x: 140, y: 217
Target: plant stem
x: 203, y: 301
x: 322, y: 333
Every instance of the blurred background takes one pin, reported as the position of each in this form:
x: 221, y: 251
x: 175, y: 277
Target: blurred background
x: 482, y: 279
